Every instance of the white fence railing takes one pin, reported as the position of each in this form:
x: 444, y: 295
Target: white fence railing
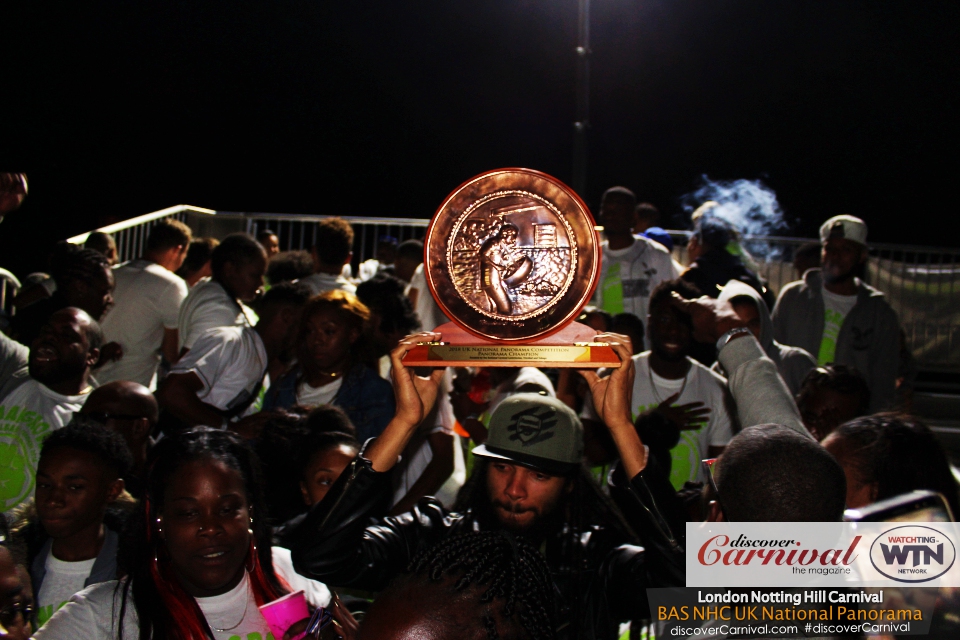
x: 921, y: 283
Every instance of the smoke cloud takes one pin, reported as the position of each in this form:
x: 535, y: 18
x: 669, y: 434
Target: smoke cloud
x: 749, y: 205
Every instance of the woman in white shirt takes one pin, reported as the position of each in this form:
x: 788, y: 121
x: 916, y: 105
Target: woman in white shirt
x: 200, y: 562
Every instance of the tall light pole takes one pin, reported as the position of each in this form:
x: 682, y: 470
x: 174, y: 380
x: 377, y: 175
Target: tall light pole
x: 582, y: 124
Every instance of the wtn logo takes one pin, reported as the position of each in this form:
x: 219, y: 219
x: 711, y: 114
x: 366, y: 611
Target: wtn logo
x: 912, y: 553
x: 895, y: 554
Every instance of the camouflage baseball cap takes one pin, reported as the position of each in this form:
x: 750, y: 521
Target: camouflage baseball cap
x: 536, y: 431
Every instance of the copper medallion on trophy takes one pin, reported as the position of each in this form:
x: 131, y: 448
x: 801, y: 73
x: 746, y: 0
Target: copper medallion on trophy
x: 511, y: 257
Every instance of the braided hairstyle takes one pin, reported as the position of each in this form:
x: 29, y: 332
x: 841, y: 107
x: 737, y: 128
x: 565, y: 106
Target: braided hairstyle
x: 509, y: 574
x: 163, y: 607
x: 584, y: 508
x: 70, y: 262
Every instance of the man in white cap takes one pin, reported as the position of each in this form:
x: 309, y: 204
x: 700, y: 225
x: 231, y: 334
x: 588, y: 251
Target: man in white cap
x: 840, y: 319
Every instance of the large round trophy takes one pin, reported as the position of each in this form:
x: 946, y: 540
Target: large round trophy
x: 511, y: 257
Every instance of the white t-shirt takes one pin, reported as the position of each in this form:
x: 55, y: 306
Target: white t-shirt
x: 427, y: 310
x: 371, y: 268
x: 62, y: 580
x: 628, y: 276
x: 835, y: 309
x: 27, y: 416
x: 147, y: 300
x: 702, y: 385
x: 207, y: 306
x: 93, y: 614
x: 315, y: 396
x: 316, y: 593
x: 230, y: 362
x: 320, y: 282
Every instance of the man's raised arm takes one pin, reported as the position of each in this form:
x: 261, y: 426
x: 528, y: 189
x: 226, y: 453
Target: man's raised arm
x: 754, y: 382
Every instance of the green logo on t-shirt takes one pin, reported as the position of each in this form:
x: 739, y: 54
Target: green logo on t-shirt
x: 612, y: 287
x: 45, y: 613
x: 832, y: 321
x: 21, y: 433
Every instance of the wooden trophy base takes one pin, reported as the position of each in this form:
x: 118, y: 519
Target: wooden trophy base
x: 571, y: 347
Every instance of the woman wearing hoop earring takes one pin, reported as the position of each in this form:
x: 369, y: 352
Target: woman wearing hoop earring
x: 198, y: 560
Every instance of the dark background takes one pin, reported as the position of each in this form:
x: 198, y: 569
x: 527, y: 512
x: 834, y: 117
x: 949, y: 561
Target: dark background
x: 362, y: 108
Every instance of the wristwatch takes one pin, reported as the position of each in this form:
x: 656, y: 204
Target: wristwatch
x: 730, y: 335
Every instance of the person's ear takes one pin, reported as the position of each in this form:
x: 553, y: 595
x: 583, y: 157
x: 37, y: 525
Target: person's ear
x: 354, y: 335
x: 115, y: 490
x: 864, y: 254
x: 349, y: 258
x: 715, y: 513
x: 306, y: 494
x: 93, y: 357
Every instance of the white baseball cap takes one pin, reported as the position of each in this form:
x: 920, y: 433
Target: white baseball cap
x: 844, y: 226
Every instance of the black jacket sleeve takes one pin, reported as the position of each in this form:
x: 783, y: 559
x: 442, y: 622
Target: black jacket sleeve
x: 649, y: 504
x: 336, y: 542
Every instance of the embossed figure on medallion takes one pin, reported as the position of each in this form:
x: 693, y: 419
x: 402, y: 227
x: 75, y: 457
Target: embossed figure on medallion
x: 502, y: 265
x: 512, y: 254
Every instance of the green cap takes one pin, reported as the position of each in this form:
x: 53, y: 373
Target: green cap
x: 536, y: 431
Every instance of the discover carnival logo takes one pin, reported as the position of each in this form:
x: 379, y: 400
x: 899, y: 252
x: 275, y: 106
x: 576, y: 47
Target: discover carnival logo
x: 912, y: 553
x: 744, y: 551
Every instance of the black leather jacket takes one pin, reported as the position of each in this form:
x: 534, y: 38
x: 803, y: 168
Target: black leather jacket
x: 337, y: 544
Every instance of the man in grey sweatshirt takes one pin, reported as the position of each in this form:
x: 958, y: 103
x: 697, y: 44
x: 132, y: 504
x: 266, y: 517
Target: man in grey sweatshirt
x: 837, y: 317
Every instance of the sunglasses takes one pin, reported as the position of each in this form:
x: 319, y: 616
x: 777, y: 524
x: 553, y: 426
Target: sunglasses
x: 18, y: 612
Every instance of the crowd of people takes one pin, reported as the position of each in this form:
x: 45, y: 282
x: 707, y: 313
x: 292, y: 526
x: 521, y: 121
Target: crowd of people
x: 194, y: 433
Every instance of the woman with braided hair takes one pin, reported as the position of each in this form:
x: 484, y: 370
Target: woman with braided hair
x: 198, y: 558
x: 476, y: 586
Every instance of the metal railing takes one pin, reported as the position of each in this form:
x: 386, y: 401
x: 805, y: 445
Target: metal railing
x: 921, y: 283
x: 131, y: 235
x: 9, y: 286
x: 300, y: 232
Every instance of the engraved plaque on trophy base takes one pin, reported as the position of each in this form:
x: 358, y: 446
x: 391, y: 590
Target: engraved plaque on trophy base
x: 571, y: 347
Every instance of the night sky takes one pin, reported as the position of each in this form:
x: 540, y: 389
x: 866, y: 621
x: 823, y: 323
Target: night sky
x: 360, y: 108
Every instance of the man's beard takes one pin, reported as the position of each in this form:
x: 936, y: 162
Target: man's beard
x: 831, y: 278
x: 64, y: 372
x: 828, y: 275
x: 545, y: 522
